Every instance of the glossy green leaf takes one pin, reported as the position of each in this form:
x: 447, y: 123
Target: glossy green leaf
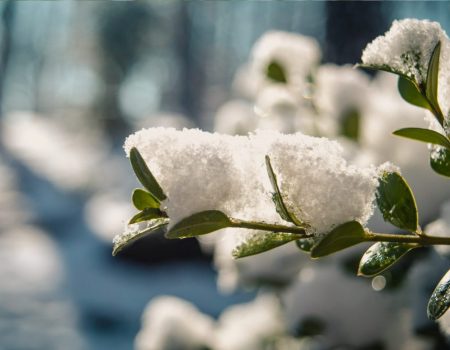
x: 350, y: 121
x: 408, y: 89
x: 146, y: 215
x: 277, y: 198
x: 381, y: 256
x: 306, y: 244
x: 145, y: 176
x: 276, y: 72
x: 411, y: 93
x: 143, y: 199
x: 440, y: 299
x: 440, y: 161
x: 125, y: 239
x: 431, y: 87
x: 261, y: 242
x: 424, y: 135
x: 433, y: 73
x: 396, y: 201
x: 343, y: 236
x: 199, y: 224
x: 382, y: 67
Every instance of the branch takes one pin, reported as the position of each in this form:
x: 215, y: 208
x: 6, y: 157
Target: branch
x: 422, y: 239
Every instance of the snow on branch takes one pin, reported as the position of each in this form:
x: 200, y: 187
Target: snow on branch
x: 203, y: 171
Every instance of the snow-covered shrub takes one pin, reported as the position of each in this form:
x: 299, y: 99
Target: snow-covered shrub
x: 261, y: 319
x: 418, y: 52
x: 229, y: 171
x: 274, y: 60
x: 171, y: 323
x: 54, y: 151
x: 262, y: 189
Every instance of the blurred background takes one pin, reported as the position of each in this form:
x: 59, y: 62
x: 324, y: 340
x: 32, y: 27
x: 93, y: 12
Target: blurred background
x: 76, y: 78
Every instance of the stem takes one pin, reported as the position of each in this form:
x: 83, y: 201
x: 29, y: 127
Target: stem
x: 436, y: 110
x: 438, y: 114
x: 422, y: 239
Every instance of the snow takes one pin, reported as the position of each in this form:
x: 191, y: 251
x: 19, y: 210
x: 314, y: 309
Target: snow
x: 406, y: 48
x: 297, y: 55
x: 171, y: 323
x: 227, y: 173
x: 325, y: 293
x: 340, y: 89
x: 106, y: 214
x: 249, y: 326
x: 54, y: 151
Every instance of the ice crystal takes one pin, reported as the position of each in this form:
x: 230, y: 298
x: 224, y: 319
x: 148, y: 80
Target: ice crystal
x: 133, y: 232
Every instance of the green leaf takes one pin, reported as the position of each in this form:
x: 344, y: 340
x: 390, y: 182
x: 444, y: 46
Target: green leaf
x: 145, y: 176
x: 122, y: 241
x: 277, y: 198
x: 381, y: 67
x: 408, y: 89
x: 440, y: 161
x: 411, y: 93
x: 424, y: 135
x: 431, y: 87
x: 440, y: 299
x: 146, y: 215
x: 261, y: 242
x: 396, y: 201
x: 350, y: 124
x: 306, y: 244
x: 276, y: 72
x: 143, y: 199
x: 343, y: 236
x: 199, y: 224
x: 381, y: 256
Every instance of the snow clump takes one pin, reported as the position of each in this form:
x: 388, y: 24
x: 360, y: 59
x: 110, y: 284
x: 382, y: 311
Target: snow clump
x: 204, y: 171
x: 406, y: 48
x: 172, y: 323
x: 284, y: 49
